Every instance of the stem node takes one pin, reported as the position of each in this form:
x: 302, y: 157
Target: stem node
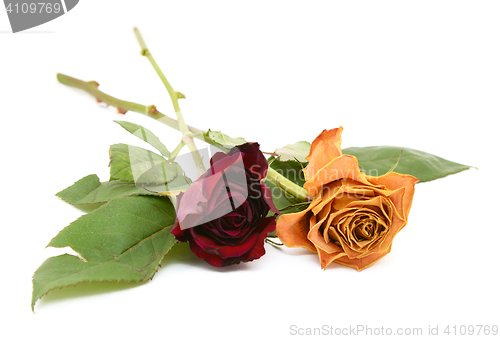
x: 174, y: 95
x: 151, y: 109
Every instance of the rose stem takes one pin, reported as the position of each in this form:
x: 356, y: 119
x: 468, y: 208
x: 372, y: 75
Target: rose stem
x: 187, y: 136
x: 286, y: 185
x: 176, y: 151
x: 272, y: 242
x: 151, y: 111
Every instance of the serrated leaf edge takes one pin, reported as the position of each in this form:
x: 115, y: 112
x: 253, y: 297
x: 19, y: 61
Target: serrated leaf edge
x: 101, y: 281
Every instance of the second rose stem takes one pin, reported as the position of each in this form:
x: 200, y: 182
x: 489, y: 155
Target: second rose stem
x: 188, y: 132
x: 187, y: 136
x: 91, y: 87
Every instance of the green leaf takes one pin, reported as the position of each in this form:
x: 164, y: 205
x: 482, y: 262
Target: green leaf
x: 89, y: 190
x: 223, y: 141
x: 281, y: 199
x: 146, y: 135
x: 272, y: 234
x: 297, y: 151
x: 298, y: 207
x: 135, y: 164
x: 378, y: 160
x: 123, y: 240
x: 79, y: 189
x: 180, y: 182
x: 291, y: 170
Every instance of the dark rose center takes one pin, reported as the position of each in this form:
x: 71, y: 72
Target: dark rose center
x: 365, y: 228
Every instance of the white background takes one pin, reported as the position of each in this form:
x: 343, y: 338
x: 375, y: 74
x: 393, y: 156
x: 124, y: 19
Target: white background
x: 419, y: 74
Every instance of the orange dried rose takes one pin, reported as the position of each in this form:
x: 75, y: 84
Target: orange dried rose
x: 354, y: 217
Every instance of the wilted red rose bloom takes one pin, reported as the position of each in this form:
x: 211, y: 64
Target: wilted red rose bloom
x: 223, y: 214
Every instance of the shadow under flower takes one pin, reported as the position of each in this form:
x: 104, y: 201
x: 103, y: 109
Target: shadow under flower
x: 181, y: 254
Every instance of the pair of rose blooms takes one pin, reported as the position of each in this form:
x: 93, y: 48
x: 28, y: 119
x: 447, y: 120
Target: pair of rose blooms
x: 352, y: 218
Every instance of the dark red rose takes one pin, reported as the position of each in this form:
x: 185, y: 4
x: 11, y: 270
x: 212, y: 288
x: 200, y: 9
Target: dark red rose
x: 223, y: 214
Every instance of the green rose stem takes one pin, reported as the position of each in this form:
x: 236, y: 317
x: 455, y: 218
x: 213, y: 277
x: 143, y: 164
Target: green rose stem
x: 188, y: 132
x: 187, y: 136
x: 288, y: 186
x: 91, y: 87
x: 176, y: 151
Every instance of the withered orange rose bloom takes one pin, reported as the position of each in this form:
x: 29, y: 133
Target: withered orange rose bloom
x: 354, y: 217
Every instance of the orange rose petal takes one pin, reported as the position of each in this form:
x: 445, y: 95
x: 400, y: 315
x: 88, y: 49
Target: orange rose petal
x: 347, y: 212
x: 292, y: 230
x: 403, y: 187
x: 326, y: 258
x: 376, y: 201
x: 334, y: 233
x: 324, y: 212
x: 362, y: 263
x: 344, y: 200
x: 326, y: 199
x: 330, y: 235
x: 342, y: 167
x: 324, y: 149
x: 394, y: 229
x: 312, y: 221
x: 395, y: 223
x: 393, y: 181
x: 341, y: 190
x: 397, y: 198
x: 348, y: 245
x: 317, y: 238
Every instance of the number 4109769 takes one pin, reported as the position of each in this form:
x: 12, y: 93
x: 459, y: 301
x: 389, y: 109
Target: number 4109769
x: 33, y: 7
